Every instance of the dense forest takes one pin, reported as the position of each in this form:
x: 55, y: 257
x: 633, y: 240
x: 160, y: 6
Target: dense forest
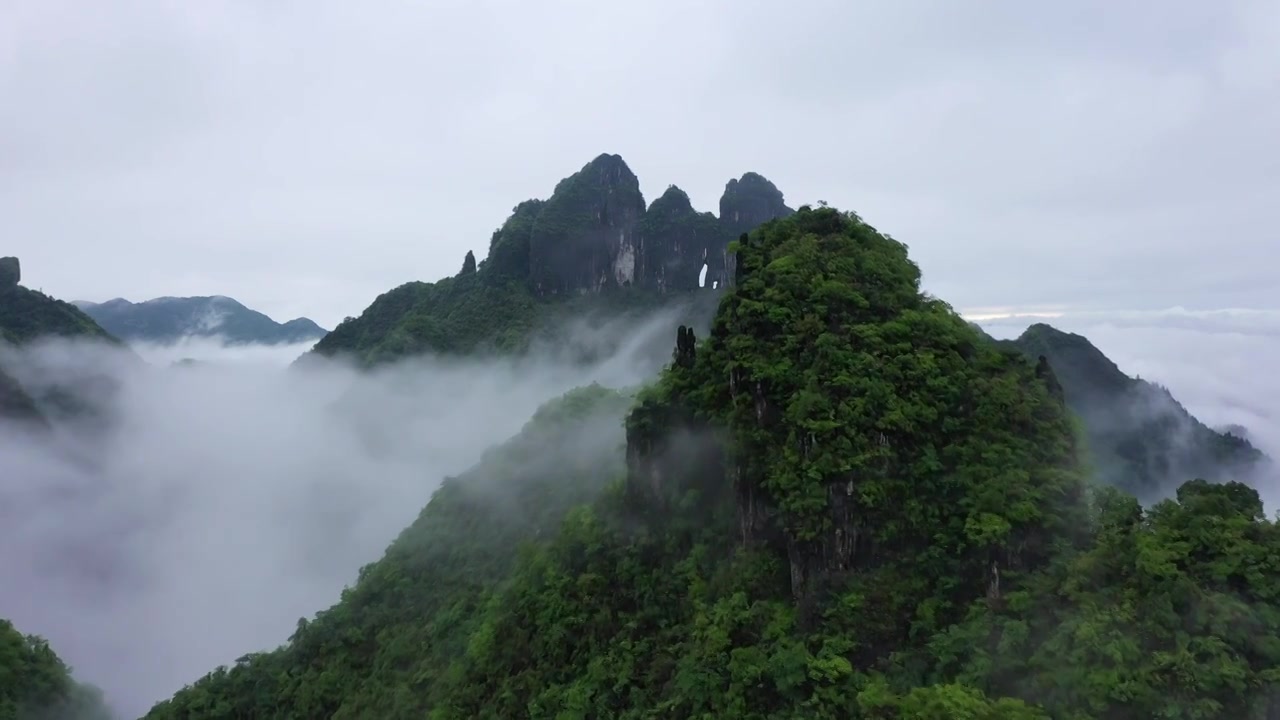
x: 27, y: 314
x: 839, y: 500
x: 36, y: 685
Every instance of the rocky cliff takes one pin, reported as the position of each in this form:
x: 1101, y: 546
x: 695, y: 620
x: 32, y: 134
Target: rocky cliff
x: 595, y: 232
x: 585, y: 237
x: 10, y: 272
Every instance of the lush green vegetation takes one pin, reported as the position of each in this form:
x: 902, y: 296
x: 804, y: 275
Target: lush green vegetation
x: 1141, y: 439
x: 843, y: 503
x: 479, y: 313
x: 36, y: 685
x: 27, y: 314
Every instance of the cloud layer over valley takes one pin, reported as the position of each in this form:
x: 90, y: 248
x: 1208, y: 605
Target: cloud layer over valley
x: 226, y: 499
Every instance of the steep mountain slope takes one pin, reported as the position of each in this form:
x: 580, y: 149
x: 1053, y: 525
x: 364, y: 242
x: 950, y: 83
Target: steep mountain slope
x: 167, y: 320
x: 592, y: 249
x: 412, y: 612
x: 36, y: 685
x: 843, y: 503
x: 15, y: 402
x: 28, y: 315
x: 1141, y: 439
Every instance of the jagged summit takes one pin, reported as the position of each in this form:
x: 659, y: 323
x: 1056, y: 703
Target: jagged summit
x: 595, y: 232
x: 584, y: 238
x: 594, y: 235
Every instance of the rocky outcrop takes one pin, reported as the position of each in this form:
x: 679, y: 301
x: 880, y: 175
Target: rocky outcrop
x: 469, y: 263
x: 749, y: 202
x: 585, y: 237
x: 675, y: 242
x: 10, y: 272
x: 595, y: 233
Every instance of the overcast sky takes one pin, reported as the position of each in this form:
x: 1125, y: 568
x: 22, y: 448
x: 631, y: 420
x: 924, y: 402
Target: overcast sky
x: 304, y: 157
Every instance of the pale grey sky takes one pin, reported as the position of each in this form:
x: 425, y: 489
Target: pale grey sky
x: 304, y: 157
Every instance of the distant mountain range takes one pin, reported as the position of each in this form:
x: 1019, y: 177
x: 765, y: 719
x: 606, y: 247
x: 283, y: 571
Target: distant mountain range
x: 167, y: 320
x: 1140, y: 438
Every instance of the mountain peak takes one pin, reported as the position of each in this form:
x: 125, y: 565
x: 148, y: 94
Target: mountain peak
x: 10, y: 272
x: 750, y: 201
x: 170, y: 319
x: 1140, y: 437
x: 673, y: 196
x: 594, y: 234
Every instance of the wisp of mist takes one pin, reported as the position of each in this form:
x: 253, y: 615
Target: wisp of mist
x: 222, y: 500
x: 1214, y: 363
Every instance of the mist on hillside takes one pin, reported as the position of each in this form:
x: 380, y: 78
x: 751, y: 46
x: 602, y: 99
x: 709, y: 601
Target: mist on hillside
x: 212, y: 504
x: 1208, y: 361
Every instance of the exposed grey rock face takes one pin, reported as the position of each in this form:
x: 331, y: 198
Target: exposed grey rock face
x: 10, y: 272
x: 584, y: 238
x: 595, y: 233
x: 749, y: 202
x: 675, y: 241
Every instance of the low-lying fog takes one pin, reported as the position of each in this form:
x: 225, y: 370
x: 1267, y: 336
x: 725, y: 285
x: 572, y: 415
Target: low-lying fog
x: 219, y: 501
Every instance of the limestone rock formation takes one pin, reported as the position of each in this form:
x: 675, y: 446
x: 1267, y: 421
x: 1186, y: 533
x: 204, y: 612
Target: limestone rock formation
x: 585, y: 237
x: 595, y: 232
x: 10, y: 272
x: 675, y: 242
x: 747, y: 203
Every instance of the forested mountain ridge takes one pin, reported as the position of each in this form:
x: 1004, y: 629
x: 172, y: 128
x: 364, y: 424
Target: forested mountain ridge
x: 36, y: 685
x: 168, y: 320
x: 26, y: 316
x: 592, y: 248
x: 842, y: 503
x: 1141, y: 439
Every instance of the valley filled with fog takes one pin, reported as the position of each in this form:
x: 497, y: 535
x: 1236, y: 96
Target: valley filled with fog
x: 201, y: 508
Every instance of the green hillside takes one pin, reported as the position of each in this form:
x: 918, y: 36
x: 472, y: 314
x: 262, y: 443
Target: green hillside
x: 25, y: 316
x: 593, y: 249
x: 36, y: 685
x: 841, y: 503
x: 1140, y: 438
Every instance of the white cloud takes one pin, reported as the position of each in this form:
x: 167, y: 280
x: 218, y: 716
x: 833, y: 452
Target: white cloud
x: 227, y: 499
